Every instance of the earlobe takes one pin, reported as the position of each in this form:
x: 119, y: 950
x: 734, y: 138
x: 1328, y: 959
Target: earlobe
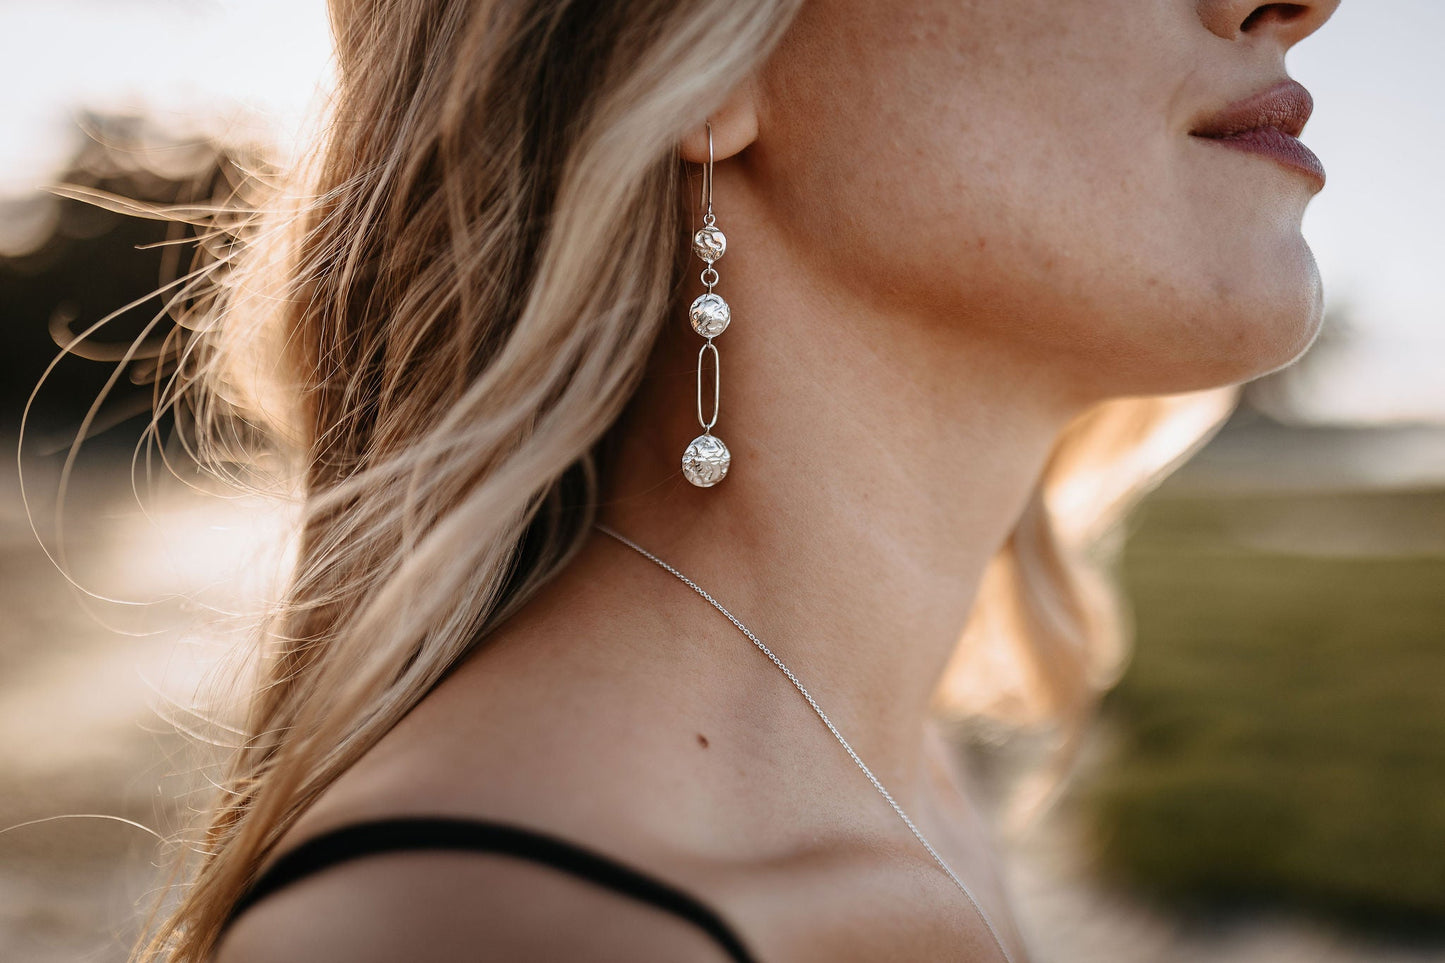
x: 734, y: 127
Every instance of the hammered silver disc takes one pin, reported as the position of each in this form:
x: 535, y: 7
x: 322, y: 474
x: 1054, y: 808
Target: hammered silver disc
x: 710, y: 315
x: 706, y: 461
x: 710, y: 244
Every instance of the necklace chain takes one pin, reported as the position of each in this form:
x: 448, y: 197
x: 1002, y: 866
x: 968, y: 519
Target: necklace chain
x: 802, y: 690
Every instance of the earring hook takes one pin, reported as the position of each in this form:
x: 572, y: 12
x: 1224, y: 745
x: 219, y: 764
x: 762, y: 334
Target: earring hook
x: 707, y: 173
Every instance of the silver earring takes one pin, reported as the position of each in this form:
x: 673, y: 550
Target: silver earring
x: 706, y: 460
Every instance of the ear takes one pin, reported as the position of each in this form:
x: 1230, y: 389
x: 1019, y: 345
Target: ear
x: 734, y: 126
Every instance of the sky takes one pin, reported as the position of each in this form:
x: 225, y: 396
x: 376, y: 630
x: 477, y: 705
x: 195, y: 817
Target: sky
x: 1378, y: 228
x: 252, y: 68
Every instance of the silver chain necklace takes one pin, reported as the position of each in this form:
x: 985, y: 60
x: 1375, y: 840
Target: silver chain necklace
x: 831, y: 728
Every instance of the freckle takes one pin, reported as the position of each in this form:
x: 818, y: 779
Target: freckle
x: 702, y: 740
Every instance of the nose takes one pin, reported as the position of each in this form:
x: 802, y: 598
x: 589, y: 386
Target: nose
x: 1285, y: 23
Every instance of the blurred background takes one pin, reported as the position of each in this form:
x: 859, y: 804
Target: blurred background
x: 1267, y: 783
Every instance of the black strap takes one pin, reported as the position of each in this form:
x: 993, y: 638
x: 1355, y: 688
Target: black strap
x: 437, y: 833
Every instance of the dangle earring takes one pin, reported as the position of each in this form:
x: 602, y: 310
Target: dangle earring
x: 706, y: 460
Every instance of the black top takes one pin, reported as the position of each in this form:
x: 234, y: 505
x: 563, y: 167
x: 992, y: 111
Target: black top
x: 435, y: 833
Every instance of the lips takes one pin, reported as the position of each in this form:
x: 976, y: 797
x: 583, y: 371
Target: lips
x: 1268, y: 123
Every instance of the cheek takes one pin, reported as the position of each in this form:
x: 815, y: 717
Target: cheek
x: 1186, y: 270
x: 1140, y: 268
x: 1041, y: 196
x: 1105, y: 262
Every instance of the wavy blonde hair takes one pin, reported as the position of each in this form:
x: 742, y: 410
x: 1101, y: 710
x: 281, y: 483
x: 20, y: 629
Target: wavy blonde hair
x: 439, y: 318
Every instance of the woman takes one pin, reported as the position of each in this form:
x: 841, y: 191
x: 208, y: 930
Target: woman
x: 971, y: 250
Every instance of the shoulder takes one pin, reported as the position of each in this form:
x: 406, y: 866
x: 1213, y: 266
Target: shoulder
x: 434, y: 906
x: 570, y: 738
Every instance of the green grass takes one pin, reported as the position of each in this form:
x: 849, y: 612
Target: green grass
x: 1283, y: 718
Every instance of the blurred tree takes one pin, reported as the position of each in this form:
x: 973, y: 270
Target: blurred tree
x: 93, y: 262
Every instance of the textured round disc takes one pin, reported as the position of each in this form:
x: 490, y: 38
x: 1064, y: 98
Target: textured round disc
x: 710, y: 315
x: 706, y: 461
x: 709, y: 244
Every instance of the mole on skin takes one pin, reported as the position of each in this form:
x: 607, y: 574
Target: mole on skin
x: 702, y: 740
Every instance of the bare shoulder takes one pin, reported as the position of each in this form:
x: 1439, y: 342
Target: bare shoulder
x: 541, y: 732
x: 558, y: 723
x: 451, y: 906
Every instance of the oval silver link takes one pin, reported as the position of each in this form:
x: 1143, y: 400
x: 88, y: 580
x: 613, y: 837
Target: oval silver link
x: 716, y: 385
x: 709, y: 277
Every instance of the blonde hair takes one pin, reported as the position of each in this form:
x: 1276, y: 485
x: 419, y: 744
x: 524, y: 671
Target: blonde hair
x: 439, y: 320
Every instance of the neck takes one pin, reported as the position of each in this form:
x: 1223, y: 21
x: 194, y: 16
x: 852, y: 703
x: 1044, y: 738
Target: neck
x: 878, y: 462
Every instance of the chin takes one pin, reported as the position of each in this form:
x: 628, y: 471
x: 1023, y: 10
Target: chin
x: 1256, y: 337
x: 1292, y: 336
x: 1257, y: 318
x: 1288, y: 316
